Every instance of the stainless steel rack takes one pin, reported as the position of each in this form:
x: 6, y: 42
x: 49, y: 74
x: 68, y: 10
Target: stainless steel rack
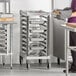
x: 34, y: 36
x: 6, y: 32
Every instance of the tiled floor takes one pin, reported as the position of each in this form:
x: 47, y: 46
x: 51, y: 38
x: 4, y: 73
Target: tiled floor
x: 18, y: 70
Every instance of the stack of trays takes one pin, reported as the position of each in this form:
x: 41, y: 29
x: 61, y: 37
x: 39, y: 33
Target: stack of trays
x: 34, y: 25
x: 3, y: 40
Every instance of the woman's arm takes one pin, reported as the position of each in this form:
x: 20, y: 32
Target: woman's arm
x: 73, y: 14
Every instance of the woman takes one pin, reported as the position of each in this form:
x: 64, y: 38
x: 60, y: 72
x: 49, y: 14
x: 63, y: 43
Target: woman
x: 72, y: 22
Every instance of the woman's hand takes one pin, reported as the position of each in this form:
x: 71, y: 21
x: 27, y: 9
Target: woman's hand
x: 56, y: 12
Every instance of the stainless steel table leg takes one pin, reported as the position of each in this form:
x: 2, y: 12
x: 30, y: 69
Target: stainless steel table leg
x: 67, y: 63
x: 11, y: 42
x: 66, y: 49
x: 11, y: 60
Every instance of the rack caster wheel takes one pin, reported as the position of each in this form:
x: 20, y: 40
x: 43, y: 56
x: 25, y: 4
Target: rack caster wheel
x: 40, y: 61
x: 47, y: 65
x: 58, y: 61
x: 10, y: 67
x: 21, y: 60
x: 3, y: 64
x: 27, y: 66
